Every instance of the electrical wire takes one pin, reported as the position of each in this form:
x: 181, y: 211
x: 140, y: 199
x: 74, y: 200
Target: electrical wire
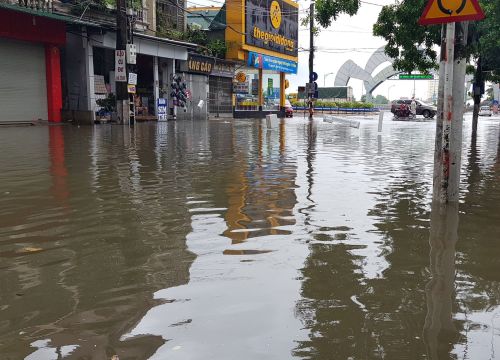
x: 246, y: 7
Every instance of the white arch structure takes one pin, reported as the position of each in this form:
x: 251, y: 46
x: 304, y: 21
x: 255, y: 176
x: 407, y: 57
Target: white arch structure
x: 371, y: 81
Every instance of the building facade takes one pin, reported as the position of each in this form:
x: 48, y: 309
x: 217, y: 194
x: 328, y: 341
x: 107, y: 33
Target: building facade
x: 262, y: 37
x: 30, y: 66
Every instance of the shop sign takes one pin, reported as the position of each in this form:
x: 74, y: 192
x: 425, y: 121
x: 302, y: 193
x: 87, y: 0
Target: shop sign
x: 120, y: 66
x: 223, y: 68
x: 240, y: 87
x: 272, y: 25
x: 269, y: 87
x: 162, y: 109
x: 132, y: 78
x: 198, y: 64
x: 131, y: 89
x: 241, y: 77
x: 266, y: 62
x: 255, y: 86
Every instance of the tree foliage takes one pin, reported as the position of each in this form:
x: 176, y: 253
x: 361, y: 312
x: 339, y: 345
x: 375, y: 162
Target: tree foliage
x: 193, y: 35
x: 328, y: 10
x: 413, y: 46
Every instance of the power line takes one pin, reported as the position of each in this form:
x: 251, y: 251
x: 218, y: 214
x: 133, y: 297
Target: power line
x: 262, y: 11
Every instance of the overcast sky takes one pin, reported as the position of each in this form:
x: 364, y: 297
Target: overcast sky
x: 349, y: 38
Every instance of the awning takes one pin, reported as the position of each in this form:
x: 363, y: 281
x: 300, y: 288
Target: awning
x: 148, y: 45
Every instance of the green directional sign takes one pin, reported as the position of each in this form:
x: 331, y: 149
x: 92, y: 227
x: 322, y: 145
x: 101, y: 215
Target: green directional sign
x: 416, y: 77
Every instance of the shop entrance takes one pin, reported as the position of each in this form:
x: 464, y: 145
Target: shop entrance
x: 144, y: 98
x: 220, y: 95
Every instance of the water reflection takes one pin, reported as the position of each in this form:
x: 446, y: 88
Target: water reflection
x: 246, y: 223
x: 189, y: 240
x: 440, y: 332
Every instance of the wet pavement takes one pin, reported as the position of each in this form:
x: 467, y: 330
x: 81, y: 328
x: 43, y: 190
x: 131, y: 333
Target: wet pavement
x: 226, y: 240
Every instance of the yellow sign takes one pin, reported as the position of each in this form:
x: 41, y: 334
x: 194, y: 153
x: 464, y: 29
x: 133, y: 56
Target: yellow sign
x: 131, y: 89
x: 275, y: 14
x: 446, y: 11
x: 287, y: 84
x: 241, y: 77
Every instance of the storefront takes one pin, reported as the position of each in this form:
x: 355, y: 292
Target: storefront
x: 263, y: 39
x: 30, y: 67
x: 92, y: 80
x: 195, y: 71
x: 220, y: 91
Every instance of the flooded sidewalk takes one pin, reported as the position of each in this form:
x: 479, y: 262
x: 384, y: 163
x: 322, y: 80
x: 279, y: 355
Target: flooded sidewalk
x: 224, y: 239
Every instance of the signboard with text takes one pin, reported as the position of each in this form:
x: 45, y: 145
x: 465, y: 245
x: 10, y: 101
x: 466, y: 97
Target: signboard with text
x: 198, y: 64
x: 162, y: 109
x: 416, y: 77
x: 120, y: 66
x: 266, y: 62
x: 272, y: 25
x: 241, y: 87
x: 132, y: 78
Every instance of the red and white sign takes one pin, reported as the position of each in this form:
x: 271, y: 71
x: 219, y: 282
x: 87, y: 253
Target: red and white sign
x: 441, y: 12
x: 120, y: 66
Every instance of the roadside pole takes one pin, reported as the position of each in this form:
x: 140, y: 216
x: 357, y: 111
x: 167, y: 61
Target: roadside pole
x: 447, y: 145
x: 122, y: 97
x: 449, y: 123
x: 311, y: 55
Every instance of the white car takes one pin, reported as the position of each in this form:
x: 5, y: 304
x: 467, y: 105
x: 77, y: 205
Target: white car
x: 484, y: 111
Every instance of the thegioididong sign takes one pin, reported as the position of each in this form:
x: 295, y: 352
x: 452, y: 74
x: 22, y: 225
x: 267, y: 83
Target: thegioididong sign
x: 272, y: 25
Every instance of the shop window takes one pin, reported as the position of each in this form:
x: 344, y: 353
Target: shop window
x: 247, y: 92
x: 271, y: 90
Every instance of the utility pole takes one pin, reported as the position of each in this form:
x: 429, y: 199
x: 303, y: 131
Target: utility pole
x: 122, y: 99
x: 449, y: 122
x: 311, y: 56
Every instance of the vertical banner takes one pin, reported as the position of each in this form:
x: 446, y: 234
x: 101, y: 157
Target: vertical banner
x: 120, y: 68
x: 162, y: 109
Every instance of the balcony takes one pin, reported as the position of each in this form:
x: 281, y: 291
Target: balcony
x: 141, y: 19
x: 40, y: 5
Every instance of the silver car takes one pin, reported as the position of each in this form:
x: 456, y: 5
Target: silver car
x: 484, y: 111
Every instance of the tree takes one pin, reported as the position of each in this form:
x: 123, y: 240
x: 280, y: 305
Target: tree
x: 328, y: 10
x: 381, y: 99
x: 489, y: 94
x: 411, y: 45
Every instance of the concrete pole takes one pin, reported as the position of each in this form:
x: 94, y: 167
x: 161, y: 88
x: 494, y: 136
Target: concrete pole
x: 122, y: 96
x: 311, y: 54
x: 449, y: 122
x: 438, y: 148
x: 156, y: 83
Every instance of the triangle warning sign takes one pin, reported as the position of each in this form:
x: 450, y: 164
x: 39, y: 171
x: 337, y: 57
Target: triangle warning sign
x: 445, y: 11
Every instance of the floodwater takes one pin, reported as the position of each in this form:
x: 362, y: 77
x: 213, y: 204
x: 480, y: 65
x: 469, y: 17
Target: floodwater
x: 226, y: 240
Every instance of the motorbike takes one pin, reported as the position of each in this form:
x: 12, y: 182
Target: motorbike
x: 403, y: 112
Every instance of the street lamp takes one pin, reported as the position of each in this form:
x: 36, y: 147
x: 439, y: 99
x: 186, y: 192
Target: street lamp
x: 388, y: 92
x: 324, y: 78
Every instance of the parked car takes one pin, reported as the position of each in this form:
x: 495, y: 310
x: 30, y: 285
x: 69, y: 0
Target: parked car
x: 485, y: 111
x: 426, y: 110
x: 288, y: 109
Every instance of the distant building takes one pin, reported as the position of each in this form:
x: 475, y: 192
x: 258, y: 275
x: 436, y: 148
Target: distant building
x: 337, y: 94
x: 432, y: 90
x: 172, y: 14
x: 201, y: 17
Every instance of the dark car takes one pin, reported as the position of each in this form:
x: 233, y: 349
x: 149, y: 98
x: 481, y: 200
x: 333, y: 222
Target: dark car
x: 288, y: 109
x: 426, y: 110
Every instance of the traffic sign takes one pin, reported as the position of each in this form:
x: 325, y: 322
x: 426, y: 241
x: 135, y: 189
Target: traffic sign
x: 313, y: 77
x: 416, y: 77
x: 311, y: 87
x: 446, y: 11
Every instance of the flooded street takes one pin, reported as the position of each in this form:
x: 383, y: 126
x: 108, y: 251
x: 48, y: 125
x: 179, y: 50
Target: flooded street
x: 226, y: 240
